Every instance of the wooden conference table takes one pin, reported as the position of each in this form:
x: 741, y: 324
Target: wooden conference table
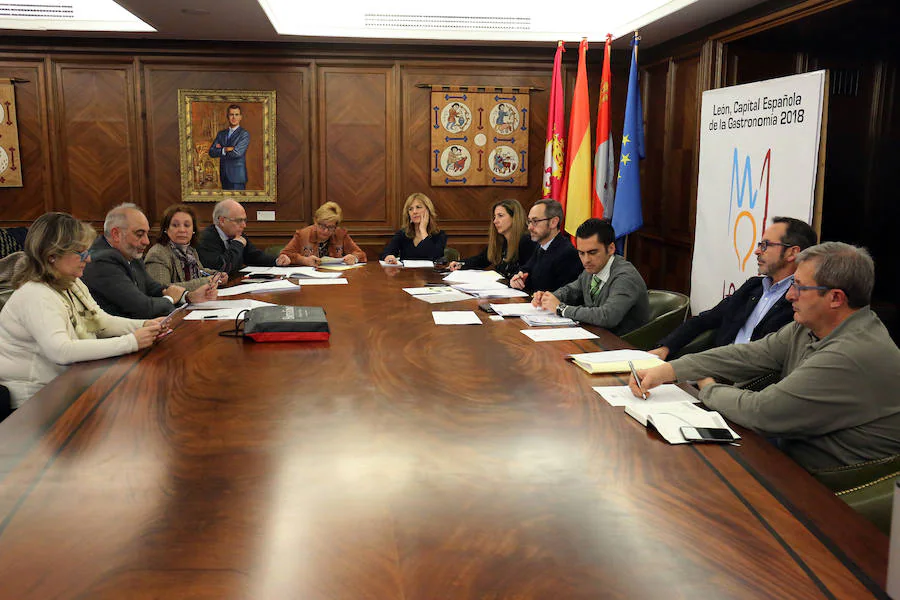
x: 399, y: 460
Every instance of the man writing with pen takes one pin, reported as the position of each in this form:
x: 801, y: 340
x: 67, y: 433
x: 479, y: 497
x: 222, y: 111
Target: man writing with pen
x: 835, y: 403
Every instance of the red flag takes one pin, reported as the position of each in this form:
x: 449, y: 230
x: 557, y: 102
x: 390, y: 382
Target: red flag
x: 604, y: 192
x: 577, y: 202
x: 555, y: 149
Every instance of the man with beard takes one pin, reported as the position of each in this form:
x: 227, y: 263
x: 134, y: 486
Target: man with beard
x: 758, y: 307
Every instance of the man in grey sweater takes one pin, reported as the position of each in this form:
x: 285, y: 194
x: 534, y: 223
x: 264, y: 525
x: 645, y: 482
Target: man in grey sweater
x: 836, y: 403
x: 609, y: 292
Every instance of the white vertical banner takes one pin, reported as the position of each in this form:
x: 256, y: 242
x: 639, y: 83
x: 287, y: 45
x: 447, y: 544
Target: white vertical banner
x: 759, y: 146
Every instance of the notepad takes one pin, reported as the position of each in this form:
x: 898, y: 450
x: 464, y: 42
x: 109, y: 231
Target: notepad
x: 342, y: 267
x: 668, y: 418
x: 269, y: 286
x: 615, y: 361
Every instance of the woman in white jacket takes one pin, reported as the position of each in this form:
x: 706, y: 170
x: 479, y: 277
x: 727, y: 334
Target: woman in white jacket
x: 51, y: 321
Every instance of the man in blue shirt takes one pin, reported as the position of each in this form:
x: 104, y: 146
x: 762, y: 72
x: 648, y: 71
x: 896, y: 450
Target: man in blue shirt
x: 758, y: 307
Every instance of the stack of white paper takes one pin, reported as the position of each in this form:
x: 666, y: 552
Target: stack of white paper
x: 418, y: 264
x: 422, y: 291
x: 670, y: 417
x: 557, y: 335
x: 285, y: 271
x: 455, y: 317
x: 311, y: 272
x: 547, y: 320
x: 518, y: 309
x: 620, y: 395
x: 472, y: 276
x: 269, y: 286
x: 451, y: 296
x: 338, y: 281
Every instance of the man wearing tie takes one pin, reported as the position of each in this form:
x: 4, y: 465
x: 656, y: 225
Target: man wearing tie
x: 230, y: 147
x: 554, y: 262
x: 609, y: 293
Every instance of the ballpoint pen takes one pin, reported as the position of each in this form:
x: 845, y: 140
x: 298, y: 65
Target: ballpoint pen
x: 637, y: 380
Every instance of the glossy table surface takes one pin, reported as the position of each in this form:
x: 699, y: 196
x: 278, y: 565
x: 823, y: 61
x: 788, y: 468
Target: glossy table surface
x: 399, y: 460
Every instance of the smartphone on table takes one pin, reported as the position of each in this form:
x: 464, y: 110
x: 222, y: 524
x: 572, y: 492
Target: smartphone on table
x: 707, y: 434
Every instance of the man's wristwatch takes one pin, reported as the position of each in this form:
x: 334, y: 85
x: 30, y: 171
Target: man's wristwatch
x: 560, y: 308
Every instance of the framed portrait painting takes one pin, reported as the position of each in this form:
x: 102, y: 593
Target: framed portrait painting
x: 227, y: 145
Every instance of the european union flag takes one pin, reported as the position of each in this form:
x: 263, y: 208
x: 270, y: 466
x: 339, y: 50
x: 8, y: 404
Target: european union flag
x: 627, y: 216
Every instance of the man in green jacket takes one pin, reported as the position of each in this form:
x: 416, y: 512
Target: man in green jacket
x: 836, y: 403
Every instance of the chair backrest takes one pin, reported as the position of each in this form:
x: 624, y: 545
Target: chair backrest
x: 451, y: 254
x: 867, y: 487
x: 667, y: 311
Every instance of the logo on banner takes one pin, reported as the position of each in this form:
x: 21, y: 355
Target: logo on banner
x: 747, y: 212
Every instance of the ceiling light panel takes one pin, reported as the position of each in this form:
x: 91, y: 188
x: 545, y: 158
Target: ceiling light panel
x: 69, y: 15
x: 527, y: 20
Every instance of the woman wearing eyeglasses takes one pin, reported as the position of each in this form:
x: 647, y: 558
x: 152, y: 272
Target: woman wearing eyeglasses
x: 324, y: 238
x: 173, y: 258
x: 420, y: 238
x: 51, y: 320
x: 509, y: 244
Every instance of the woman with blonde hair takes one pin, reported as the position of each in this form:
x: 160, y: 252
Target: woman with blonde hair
x: 51, y: 320
x: 173, y: 258
x: 324, y: 238
x: 509, y: 243
x: 420, y: 237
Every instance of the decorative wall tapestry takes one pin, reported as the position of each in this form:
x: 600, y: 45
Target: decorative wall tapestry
x: 10, y: 157
x: 479, y: 137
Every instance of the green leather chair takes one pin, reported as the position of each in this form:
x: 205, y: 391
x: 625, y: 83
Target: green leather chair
x: 451, y: 254
x: 274, y: 250
x: 667, y: 311
x: 702, y: 342
x: 867, y: 487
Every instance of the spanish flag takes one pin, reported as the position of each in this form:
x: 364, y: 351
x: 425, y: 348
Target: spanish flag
x: 577, y: 200
x: 554, y: 152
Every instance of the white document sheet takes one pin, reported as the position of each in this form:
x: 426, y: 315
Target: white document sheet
x: 269, y: 270
x: 620, y: 395
x: 224, y: 314
x: 557, y: 335
x: 455, y: 317
x: 330, y: 260
x: 422, y: 291
x: 338, y: 281
x: 472, y: 276
x: 451, y: 296
x: 229, y: 304
x: 418, y: 264
x: 500, y: 293
x: 387, y: 264
x: 488, y: 284
x: 302, y: 272
x: 518, y: 309
x: 269, y: 286
x: 341, y: 267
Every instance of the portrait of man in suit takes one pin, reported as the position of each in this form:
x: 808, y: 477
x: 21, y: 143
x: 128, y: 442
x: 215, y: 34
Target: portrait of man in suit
x: 230, y: 147
x: 227, y: 145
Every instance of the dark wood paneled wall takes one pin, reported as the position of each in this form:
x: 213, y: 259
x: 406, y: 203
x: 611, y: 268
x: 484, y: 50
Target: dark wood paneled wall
x: 99, y: 126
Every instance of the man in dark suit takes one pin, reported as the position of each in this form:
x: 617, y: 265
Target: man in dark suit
x: 554, y: 263
x: 116, y: 276
x: 758, y: 307
x: 609, y: 292
x: 222, y: 245
x: 230, y: 147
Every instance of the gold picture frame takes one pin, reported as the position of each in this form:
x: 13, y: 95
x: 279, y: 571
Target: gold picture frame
x: 204, y: 115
